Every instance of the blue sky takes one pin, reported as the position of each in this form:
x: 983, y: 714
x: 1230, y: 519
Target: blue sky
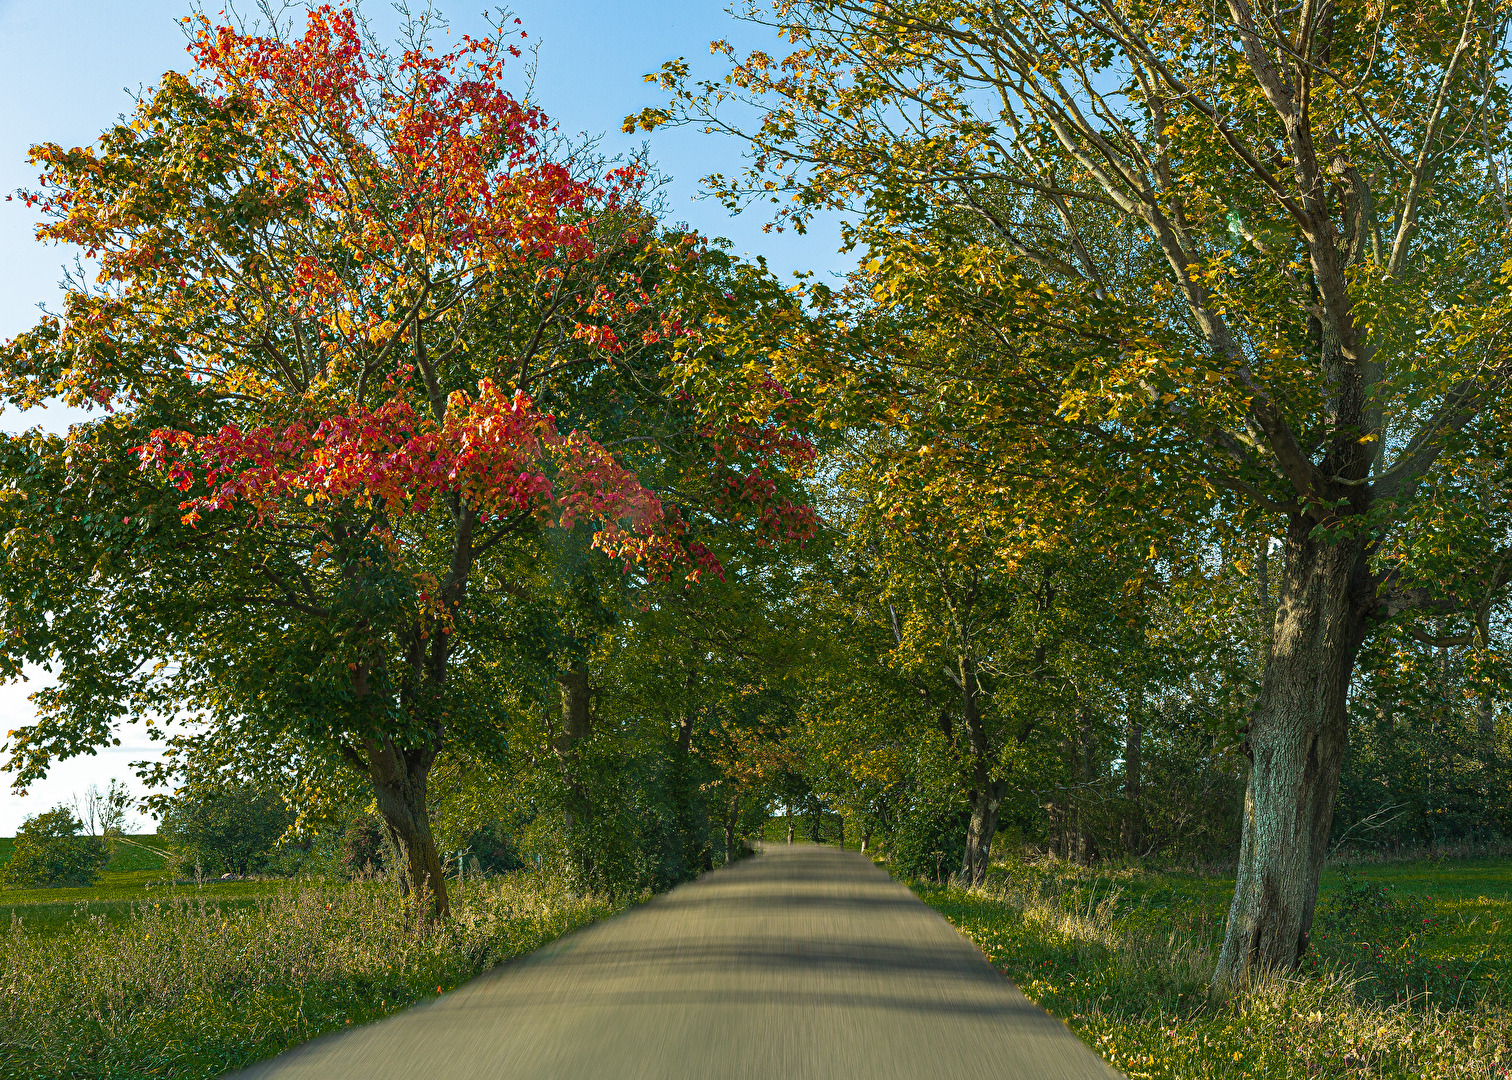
x: 68, y: 68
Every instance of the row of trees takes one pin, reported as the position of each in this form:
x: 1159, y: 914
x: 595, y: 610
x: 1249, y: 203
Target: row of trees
x: 1157, y: 441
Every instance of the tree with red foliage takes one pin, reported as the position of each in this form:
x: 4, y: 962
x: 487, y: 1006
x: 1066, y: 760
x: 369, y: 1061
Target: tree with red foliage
x: 339, y: 285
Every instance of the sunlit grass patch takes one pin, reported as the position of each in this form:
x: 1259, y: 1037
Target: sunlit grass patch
x: 1125, y: 956
x: 193, y: 986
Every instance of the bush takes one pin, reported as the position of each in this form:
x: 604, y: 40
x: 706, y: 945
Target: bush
x: 495, y: 850
x: 50, y: 853
x: 363, y: 850
x: 929, y: 842
x: 233, y: 829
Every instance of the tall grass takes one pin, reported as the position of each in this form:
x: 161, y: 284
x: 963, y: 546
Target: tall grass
x: 186, y: 987
x: 1135, y: 987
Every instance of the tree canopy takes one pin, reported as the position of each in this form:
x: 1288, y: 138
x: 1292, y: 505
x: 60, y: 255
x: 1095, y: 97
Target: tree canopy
x: 1140, y: 493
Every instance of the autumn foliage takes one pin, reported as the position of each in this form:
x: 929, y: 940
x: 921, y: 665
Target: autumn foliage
x: 366, y: 320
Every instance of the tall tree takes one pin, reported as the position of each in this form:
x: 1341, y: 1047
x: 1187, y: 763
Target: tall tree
x: 1293, y: 220
x: 340, y: 288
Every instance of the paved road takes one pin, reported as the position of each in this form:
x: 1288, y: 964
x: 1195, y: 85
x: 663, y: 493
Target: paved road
x: 804, y: 963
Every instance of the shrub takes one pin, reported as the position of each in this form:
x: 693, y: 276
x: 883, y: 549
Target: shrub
x: 363, y: 849
x: 233, y: 829
x: 50, y: 853
x: 495, y: 849
x: 929, y: 842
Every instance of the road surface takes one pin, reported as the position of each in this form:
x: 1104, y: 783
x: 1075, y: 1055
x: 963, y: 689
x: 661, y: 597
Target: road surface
x: 804, y: 962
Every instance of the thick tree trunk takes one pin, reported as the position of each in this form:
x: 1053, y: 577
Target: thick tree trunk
x: 1297, y: 732
x: 399, y: 782
x: 981, y: 829
x: 790, y: 822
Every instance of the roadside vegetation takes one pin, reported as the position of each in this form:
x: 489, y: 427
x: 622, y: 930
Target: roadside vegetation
x: 467, y: 517
x: 190, y: 983
x: 1408, y: 975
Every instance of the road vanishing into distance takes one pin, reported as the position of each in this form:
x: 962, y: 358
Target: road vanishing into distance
x: 803, y: 962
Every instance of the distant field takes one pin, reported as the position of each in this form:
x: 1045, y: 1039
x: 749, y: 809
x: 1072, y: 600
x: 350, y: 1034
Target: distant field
x: 132, y: 876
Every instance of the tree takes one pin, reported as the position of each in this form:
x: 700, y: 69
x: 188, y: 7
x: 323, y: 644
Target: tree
x: 228, y: 829
x: 49, y: 853
x: 338, y: 285
x: 103, y: 813
x: 1284, y: 230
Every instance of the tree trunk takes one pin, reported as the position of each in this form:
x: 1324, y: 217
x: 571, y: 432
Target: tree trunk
x: 1296, y: 739
x: 841, y: 844
x: 729, y: 830
x: 815, y: 820
x: 1133, y: 818
x: 790, y: 822
x: 988, y: 793
x: 399, y: 782
x: 576, y: 720
x: 689, y: 843
x: 576, y: 725
x: 981, y: 829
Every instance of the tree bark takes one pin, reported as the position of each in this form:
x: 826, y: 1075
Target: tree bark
x: 1295, y: 743
x: 576, y: 726
x: 790, y: 822
x: 399, y: 782
x: 981, y: 829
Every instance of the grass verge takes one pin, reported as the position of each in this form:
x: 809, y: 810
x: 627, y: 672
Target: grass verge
x: 190, y: 987
x: 1407, y: 987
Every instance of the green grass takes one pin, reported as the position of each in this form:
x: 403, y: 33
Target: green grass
x: 1125, y: 956
x: 191, y: 985
x: 133, y: 874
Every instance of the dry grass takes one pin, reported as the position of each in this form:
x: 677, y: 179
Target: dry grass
x: 192, y: 988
